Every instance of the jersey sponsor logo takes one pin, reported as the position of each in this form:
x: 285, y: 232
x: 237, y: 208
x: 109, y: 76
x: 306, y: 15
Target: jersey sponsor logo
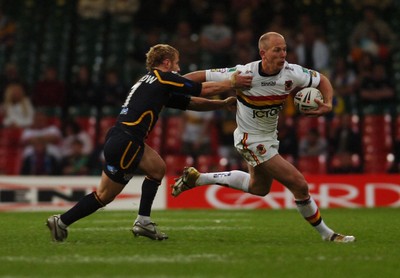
x: 288, y: 85
x: 289, y: 68
x: 219, y: 175
x: 218, y: 70
x: 269, y: 112
x: 305, y: 70
x: 231, y: 69
x: 269, y: 83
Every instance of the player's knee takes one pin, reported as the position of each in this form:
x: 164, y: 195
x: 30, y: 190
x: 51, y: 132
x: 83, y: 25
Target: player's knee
x: 159, y: 171
x: 106, y: 197
x: 259, y: 191
x: 300, y: 188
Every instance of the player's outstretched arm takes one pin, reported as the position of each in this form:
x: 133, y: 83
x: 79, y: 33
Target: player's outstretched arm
x: 212, y: 88
x: 197, y: 76
x: 203, y: 104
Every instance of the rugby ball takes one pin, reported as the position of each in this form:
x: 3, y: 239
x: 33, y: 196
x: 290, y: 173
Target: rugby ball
x: 304, y: 99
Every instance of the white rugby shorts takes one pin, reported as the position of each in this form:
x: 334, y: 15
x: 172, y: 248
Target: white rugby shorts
x: 255, y: 149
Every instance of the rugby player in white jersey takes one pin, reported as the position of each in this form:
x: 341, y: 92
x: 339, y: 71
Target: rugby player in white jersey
x: 256, y: 134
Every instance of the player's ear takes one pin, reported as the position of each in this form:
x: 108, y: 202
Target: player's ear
x: 167, y: 63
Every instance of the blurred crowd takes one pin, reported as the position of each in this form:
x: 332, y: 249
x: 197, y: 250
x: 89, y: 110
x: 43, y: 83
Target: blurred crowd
x: 61, y: 119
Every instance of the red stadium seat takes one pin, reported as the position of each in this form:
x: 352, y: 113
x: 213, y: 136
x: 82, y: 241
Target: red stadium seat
x: 312, y: 164
x: 173, y: 135
x: 176, y: 164
x: 154, y: 139
x: 304, y: 124
x: 377, y: 163
x: 211, y: 163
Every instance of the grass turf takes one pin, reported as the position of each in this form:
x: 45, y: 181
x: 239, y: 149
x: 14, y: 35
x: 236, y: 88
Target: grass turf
x: 204, y: 243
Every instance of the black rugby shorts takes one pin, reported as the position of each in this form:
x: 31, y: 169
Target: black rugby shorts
x: 122, y: 155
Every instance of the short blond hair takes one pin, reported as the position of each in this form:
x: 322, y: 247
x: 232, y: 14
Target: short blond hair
x: 263, y: 42
x: 158, y: 53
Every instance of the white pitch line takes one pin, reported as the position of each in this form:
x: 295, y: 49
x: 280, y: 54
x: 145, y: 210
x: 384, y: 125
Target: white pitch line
x: 173, y: 220
x: 136, y: 259
x: 166, y: 228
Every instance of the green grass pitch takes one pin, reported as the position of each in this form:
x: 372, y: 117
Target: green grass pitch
x: 204, y: 243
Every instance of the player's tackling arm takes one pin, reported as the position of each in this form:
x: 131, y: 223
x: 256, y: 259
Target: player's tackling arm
x: 203, y: 104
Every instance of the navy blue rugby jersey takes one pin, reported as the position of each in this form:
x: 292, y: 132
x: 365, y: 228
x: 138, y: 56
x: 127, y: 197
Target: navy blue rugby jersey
x: 146, y: 99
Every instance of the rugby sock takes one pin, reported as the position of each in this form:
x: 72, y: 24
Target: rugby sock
x: 87, y: 205
x: 309, y: 210
x: 234, y: 179
x: 149, y: 191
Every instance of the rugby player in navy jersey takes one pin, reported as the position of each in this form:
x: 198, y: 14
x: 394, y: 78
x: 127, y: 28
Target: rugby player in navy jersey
x: 256, y: 133
x: 125, y: 149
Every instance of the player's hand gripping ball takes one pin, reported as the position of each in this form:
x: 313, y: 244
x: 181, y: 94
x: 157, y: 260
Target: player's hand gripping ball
x: 304, y: 99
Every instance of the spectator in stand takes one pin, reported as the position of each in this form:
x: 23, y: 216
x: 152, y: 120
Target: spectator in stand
x: 7, y: 34
x: 96, y: 157
x: 312, y: 51
x: 72, y: 131
x: 243, y: 49
x: 364, y: 35
x: 196, y: 13
x: 40, y: 128
x: 377, y: 91
x: 49, y: 91
x: 10, y: 75
x: 112, y: 91
x: 188, y: 44
x: 344, y: 81
x: 17, y: 109
x: 76, y: 162
x: 226, y: 127
x: 288, y: 142
x: 82, y: 92
x: 344, y: 163
x: 216, y: 40
x: 395, y: 168
x: 313, y: 144
x: 40, y: 161
x: 196, y: 136
x: 344, y: 138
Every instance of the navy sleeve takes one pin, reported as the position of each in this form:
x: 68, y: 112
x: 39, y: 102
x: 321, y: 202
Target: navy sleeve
x: 178, y: 101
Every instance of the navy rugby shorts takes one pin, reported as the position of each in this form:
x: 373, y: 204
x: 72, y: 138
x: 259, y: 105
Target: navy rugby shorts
x: 122, y: 155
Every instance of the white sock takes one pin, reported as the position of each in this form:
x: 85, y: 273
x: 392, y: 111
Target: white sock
x: 144, y: 220
x: 234, y: 179
x: 309, y: 210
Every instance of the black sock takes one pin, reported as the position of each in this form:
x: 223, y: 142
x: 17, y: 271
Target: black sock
x: 87, y: 205
x: 149, y: 191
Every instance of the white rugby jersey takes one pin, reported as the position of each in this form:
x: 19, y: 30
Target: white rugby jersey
x: 259, y: 106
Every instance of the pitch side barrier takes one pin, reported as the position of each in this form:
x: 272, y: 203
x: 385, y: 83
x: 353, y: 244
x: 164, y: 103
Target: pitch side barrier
x: 329, y: 191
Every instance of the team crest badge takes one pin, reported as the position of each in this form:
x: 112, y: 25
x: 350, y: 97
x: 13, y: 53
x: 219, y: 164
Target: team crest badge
x: 261, y: 149
x: 112, y: 169
x: 288, y: 85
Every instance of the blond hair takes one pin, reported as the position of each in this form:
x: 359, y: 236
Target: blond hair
x: 8, y: 95
x: 263, y: 42
x: 158, y: 53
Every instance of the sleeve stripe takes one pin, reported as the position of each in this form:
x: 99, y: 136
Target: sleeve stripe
x: 309, y: 84
x: 167, y: 82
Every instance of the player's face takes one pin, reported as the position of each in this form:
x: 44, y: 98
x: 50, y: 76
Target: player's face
x: 275, y: 55
x: 175, y: 64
